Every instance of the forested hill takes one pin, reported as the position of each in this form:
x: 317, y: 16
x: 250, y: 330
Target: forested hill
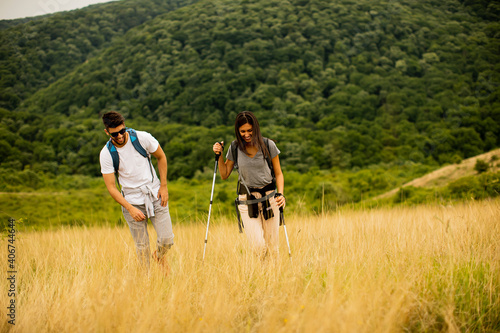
x: 338, y: 84
x: 43, y: 49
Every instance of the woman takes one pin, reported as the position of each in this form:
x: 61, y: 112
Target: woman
x: 260, y: 194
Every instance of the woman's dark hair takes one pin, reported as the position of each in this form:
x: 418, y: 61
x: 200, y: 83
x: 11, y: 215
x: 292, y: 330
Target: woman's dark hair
x: 247, y: 117
x: 112, y: 119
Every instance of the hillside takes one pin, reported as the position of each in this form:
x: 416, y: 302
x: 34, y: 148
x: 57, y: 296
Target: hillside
x: 450, y: 173
x: 340, y: 85
x: 35, y: 52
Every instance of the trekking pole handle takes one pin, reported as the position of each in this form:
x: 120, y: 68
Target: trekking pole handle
x: 279, y: 195
x: 217, y: 155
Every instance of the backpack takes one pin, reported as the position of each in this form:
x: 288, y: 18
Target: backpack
x: 137, y: 145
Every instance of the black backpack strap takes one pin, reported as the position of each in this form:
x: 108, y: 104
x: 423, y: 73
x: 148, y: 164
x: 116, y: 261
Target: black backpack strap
x: 114, y: 155
x: 135, y: 142
x: 269, y: 160
x: 234, y: 152
x: 137, y: 145
x: 116, y: 162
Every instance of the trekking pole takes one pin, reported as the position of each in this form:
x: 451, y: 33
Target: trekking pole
x: 286, y: 234
x: 211, y: 200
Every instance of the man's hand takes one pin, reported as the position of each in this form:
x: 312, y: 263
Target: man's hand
x: 109, y: 180
x: 162, y: 169
x: 163, y: 194
x: 136, y: 214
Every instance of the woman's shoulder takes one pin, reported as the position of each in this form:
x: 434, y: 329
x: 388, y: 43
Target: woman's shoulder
x: 270, y: 142
x: 234, y: 146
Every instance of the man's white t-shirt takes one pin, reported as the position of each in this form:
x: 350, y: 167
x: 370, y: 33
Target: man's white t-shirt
x: 134, y: 170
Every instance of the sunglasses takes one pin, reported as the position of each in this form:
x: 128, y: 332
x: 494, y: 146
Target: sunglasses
x: 115, y: 134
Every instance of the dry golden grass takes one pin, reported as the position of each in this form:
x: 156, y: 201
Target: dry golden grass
x: 429, y: 268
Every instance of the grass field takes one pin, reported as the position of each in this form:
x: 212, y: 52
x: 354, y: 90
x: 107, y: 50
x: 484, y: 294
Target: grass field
x: 420, y: 269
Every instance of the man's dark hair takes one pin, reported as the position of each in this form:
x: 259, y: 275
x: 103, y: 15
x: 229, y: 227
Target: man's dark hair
x: 112, y: 119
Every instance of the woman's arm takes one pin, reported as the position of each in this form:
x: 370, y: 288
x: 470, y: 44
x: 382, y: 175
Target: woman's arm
x: 280, y: 180
x: 225, y: 168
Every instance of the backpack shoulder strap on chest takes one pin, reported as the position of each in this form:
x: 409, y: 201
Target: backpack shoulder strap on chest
x: 268, y: 157
x: 234, y: 150
x: 135, y: 142
x: 114, y: 155
x: 140, y: 149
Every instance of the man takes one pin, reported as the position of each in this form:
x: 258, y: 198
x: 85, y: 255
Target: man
x: 143, y: 194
